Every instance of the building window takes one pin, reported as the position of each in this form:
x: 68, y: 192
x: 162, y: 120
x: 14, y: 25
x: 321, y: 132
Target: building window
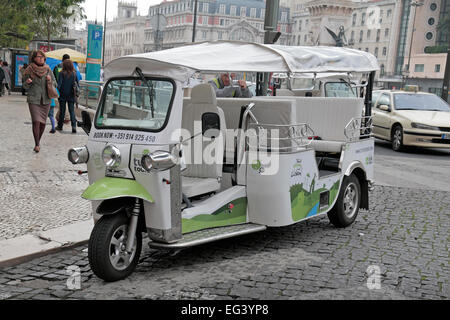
x: 433, y: 6
x: 352, y: 37
x: 386, y: 32
x: 219, y: 35
x: 389, y: 13
x: 253, y: 12
x: 354, y: 20
x: 284, y: 16
x: 437, y: 68
x: 431, y: 21
x: 361, y: 34
x: 243, y: 11
x: 222, y: 9
x: 429, y: 35
x: 368, y: 34
x: 384, y: 51
x: 300, y: 22
x: 305, y: 38
x: 382, y: 70
x: 378, y: 34
x: 363, y: 19
x: 367, y: 49
x: 436, y: 91
x: 205, y: 7
x: 419, y: 68
x: 376, y: 52
x: 233, y: 10
x: 263, y: 13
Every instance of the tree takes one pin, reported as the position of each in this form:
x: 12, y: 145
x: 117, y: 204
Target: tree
x: 52, y: 14
x: 21, y: 20
x: 15, y: 27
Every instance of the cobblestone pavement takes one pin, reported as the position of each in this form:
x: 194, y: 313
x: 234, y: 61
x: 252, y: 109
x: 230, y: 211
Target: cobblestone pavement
x: 404, y: 234
x: 37, y: 191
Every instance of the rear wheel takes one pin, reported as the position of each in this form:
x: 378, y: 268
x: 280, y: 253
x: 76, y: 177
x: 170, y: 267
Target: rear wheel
x: 397, y: 138
x: 347, y: 205
x: 108, y: 257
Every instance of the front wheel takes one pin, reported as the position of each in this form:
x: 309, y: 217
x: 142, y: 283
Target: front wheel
x: 108, y: 257
x: 397, y: 138
x: 347, y: 205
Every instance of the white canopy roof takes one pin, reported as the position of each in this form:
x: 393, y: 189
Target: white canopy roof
x: 226, y: 56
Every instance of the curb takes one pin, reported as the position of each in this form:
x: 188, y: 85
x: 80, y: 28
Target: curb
x: 25, y: 248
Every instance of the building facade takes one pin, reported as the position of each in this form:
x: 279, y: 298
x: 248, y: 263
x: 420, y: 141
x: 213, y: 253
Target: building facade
x: 171, y: 24
x: 125, y: 34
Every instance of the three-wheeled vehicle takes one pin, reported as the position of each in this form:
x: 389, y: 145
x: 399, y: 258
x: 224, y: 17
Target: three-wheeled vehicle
x: 190, y: 170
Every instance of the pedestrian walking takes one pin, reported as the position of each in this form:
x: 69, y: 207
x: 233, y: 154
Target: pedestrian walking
x: 22, y: 77
x: 67, y: 80
x: 2, y: 77
x: 8, y: 75
x: 38, y: 79
x: 51, y: 114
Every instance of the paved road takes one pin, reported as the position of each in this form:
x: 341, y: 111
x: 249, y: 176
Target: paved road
x: 415, y: 167
x: 404, y: 234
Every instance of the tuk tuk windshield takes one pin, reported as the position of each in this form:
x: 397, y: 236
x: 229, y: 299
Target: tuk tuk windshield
x: 131, y: 103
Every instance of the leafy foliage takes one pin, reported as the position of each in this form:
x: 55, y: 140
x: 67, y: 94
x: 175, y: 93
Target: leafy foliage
x: 22, y: 20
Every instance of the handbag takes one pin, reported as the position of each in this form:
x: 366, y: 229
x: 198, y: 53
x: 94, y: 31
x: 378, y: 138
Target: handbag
x: 51, y: 90
x: 76, y: 86
x: 76, y: 89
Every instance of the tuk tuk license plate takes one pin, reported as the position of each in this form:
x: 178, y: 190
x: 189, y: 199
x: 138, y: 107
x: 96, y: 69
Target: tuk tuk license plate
x: 446, y: 136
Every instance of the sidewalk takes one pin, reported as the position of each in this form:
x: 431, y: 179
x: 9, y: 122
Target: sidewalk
x: 40, y: 194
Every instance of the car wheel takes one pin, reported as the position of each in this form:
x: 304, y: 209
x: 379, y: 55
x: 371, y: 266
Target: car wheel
x: 397, y: 138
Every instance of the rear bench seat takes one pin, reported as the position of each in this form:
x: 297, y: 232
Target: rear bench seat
x: 328, y: 118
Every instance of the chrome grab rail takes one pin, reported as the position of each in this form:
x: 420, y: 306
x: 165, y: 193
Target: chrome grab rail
x: 90, y: 93
x: 359, y: 128
x: 300, y: 136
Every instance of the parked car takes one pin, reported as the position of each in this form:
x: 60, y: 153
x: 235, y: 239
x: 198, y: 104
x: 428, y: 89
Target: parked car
x: 411, y: 119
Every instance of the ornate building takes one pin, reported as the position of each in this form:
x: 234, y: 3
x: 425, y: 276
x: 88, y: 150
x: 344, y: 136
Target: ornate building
x: 125, y: 34
x: 216, y: 20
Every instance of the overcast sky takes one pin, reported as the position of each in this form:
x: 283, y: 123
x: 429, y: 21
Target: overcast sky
x: 96, y: 8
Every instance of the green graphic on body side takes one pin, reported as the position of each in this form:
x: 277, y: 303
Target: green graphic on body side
x: 109, y: 188
x: 303, y: 201
x: 232, y: 213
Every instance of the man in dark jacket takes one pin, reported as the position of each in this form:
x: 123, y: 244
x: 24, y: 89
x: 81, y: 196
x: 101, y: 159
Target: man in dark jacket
x: 58, y: 68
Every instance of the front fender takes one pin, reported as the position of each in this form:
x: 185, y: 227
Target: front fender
x: 111, y: 188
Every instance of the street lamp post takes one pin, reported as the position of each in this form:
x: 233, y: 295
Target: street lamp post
x: 104, y: 35
x: 414, y: 4
x: 195, y: 21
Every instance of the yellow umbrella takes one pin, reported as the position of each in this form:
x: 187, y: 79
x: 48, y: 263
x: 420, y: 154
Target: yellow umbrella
x: 75, y: 56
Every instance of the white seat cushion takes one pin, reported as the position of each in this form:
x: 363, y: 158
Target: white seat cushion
x: 327, y: 146
x: 196, y: 186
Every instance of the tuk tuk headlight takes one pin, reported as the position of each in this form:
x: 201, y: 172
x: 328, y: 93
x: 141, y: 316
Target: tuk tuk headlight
x: 111, y: 156
x: 78, y: 155
x: 158, y: 160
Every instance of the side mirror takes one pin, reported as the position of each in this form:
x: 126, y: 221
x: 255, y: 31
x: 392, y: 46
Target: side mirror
x: 85, y: 122
x: 384, y: 107
x: 210, y: 125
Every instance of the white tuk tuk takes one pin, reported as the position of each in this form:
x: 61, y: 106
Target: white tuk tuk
x: 190, y: 170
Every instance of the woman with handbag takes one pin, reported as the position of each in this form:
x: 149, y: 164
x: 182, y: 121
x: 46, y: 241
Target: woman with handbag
x: 41, y: 85
x: 67, y: 81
